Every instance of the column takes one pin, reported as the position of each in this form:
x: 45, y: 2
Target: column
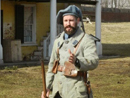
x: 1, y: 49
x: 98, y: 27
x: 53, y: 24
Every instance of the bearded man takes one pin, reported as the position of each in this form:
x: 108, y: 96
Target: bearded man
x: 73, y: 54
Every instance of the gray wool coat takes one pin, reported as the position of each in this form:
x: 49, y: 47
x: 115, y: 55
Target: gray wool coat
x: 71, y: 87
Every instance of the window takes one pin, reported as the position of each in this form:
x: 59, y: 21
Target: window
x: 29, y: 24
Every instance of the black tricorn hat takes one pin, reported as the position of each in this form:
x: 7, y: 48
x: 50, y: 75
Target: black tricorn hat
x: 70, y: 10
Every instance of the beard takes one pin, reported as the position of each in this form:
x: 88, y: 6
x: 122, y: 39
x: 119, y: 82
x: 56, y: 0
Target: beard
x: 73, y: 29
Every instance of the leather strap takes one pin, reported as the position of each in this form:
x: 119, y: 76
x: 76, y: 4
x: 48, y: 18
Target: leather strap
x: 80, y: 73
x: 85, y: 77
x: 58, y: 56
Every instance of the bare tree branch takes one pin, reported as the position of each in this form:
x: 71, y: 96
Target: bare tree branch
x: 115, y: 3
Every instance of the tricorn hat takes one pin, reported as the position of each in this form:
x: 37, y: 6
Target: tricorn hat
x: 70, y: 10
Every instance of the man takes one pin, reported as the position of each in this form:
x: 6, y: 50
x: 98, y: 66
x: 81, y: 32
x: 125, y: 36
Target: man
x: 75, y: 47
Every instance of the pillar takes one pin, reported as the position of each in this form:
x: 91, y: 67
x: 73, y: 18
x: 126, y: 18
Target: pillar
x: 1, y: 49
x: 98, y: 27
x: 53, y: 24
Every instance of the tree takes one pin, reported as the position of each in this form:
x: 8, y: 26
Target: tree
x: 105, y: 3
x: 116, y: 3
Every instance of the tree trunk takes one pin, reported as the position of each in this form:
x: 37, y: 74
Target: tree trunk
x: 115, y: 2
x: 112, y: 5
x: 106, y: 3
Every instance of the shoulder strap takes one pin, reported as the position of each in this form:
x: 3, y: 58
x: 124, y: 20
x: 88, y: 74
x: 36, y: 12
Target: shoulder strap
x: 75, y: 49
x: 58, y: 56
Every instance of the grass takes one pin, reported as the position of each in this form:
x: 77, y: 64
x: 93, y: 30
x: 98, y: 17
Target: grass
x: 114, y: 37
x: 109, y: 80
x: 111, y: 33
x: 21, y: 83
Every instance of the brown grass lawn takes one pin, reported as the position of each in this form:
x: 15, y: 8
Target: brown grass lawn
x: 114, y: 37
x: 110, y: 79
x: 111, y: 33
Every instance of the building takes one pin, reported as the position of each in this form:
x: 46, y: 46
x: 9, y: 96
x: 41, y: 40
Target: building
x: 28, y: 22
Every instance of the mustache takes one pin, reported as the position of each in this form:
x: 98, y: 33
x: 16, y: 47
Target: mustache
x: 70, y: 27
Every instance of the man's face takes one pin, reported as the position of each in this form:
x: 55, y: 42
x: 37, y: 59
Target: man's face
x: 70, y: 24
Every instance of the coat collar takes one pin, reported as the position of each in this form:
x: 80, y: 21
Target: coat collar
x: 73, y: 40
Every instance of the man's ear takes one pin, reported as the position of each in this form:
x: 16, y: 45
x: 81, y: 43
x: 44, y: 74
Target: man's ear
x: 78, y: 20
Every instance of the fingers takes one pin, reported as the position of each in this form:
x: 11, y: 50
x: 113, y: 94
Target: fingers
x: 72, y: 57
x: 42, y: 96
x: 71, y: 54
x: 47, y: 94
x: 69, y: 51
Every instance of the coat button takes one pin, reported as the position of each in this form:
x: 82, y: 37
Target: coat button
x: 60, y: 82
x: 66, y: 41
x: 65, y: 49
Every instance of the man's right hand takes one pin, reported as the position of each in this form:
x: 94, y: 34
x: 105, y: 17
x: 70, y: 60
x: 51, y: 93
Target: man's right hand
x: 47, y: 94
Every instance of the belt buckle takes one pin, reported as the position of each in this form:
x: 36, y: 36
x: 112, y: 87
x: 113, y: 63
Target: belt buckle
x: 74, y: 72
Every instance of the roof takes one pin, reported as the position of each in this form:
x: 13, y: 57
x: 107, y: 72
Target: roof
x: 91, y: 2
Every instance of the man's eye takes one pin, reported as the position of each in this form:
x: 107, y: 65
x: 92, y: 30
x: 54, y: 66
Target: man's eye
x: 71, y: 20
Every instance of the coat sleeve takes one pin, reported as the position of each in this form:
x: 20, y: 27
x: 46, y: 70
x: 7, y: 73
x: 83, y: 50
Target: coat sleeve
x: 50, y: 75
x: 89, y: 60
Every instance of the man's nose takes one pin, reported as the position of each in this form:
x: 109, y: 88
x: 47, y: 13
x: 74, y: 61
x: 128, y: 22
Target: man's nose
x: 68, y: 22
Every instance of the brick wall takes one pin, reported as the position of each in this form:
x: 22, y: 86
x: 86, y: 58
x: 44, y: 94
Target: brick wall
x: 108, y: 15
x: 115, y: 17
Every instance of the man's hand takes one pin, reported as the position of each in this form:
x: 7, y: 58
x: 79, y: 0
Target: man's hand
x: 47, y: 94
x: 72, y: 57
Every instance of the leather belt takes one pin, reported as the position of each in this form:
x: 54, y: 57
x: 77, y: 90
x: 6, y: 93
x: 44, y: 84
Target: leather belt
x: 61, y: 69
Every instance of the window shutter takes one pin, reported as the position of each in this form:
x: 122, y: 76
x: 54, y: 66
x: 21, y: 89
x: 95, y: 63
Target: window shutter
x: 1, y: 27
x: 19, y: 22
